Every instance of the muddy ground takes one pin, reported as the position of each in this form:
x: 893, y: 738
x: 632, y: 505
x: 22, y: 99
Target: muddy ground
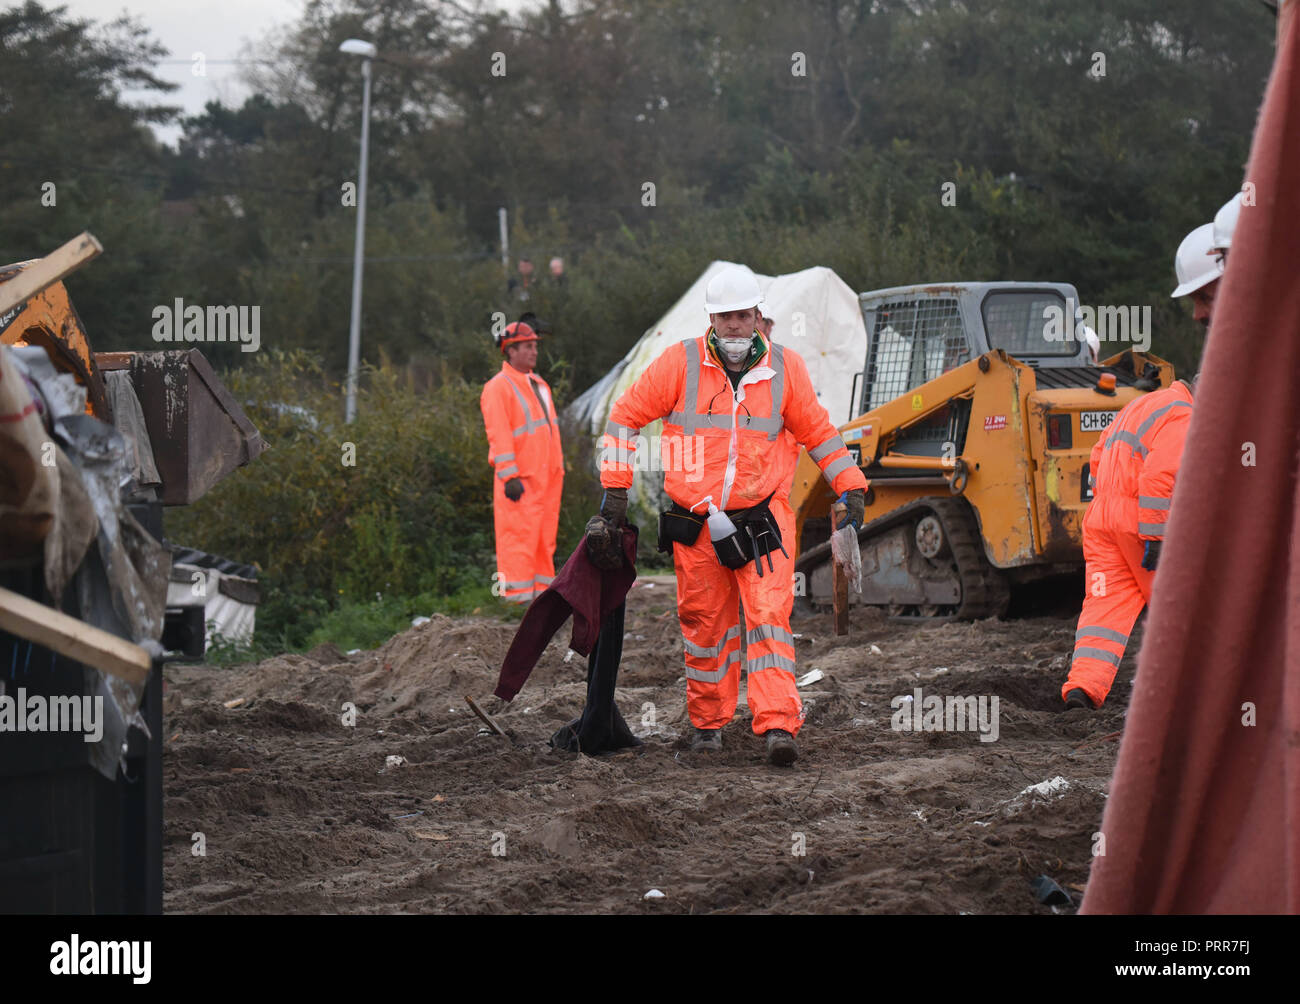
x: 302, y: 813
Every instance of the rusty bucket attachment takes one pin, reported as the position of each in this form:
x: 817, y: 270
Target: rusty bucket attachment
x: 198, y: 431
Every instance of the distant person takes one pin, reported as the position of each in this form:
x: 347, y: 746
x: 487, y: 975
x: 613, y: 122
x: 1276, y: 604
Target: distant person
x: 1134, y: 466
x: 557, y: 270
x: 764, y: 326
x: 525, y: 453
x: 519, y: 286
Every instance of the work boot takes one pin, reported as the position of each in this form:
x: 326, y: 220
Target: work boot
x: 1076, y: 698
x: 706, y: 741
x: 781, y: 748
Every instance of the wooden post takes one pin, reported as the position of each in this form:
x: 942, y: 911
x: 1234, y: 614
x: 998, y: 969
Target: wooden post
x: 839, y: 580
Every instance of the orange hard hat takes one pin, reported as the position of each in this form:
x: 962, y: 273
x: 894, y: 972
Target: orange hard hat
x: 514, y: 334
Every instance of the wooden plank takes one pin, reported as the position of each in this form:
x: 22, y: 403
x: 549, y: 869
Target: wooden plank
x: 839, y: 580
x: 73, y: 638
x: 483, y: 716
x: 108, y: 361
x: 49, y: 270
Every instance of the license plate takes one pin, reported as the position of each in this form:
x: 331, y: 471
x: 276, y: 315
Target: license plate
x: 1095, y: 421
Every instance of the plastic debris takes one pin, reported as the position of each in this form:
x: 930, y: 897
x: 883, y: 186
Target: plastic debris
x: 810, y: 678
x: 654, y: 894
x: 875, y: 650
x: 1047, y: 892
x: 394, y: 761
x: 417, y: 621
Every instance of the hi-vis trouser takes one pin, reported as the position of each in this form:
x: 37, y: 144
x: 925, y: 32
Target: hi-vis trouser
x: 709, y: 596
x: 1116, y: 588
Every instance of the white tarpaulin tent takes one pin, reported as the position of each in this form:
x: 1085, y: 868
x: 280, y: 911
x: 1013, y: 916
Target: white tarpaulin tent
x: 814, y: 312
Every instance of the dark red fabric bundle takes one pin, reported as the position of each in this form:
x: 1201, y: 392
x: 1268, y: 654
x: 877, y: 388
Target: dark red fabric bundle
x: 1204, y: 808
x: 581, y: 590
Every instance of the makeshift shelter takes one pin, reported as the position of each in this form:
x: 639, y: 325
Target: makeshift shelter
x: 814, y: 313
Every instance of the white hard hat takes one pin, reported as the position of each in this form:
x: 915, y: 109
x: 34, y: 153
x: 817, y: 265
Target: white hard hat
x: 1225, y: 222
x: 1192, y: 264
x: 733, y: 288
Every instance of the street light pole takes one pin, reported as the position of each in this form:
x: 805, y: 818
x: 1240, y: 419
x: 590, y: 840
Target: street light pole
x: 366, y: 50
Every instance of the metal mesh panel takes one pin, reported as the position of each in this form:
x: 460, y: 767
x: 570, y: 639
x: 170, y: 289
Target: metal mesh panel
x: 1019, y: 323
x: 914, y: 341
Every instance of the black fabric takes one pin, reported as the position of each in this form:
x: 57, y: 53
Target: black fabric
x: 678, y: 525
x: 600, y: 728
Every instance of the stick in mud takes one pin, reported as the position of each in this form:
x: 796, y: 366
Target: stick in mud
x: 486, y: 720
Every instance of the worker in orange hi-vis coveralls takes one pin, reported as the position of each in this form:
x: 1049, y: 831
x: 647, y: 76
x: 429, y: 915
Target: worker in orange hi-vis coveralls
x: 1134, y: 465
x: 524, y: 451
x: 727, y: 399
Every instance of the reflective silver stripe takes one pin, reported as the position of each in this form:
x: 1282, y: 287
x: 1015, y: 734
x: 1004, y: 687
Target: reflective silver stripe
x: 1097, y: 631
x: 530, y: 423
x: 506, y: 473
x: 544, y: 580
x: 1152, y: 502
x: 615, y: 455
x: 769, y: 631
x: 770, y: 661
x: 1153, y: 529
x: 501, y: 457
x: 675, y: 418
x: 1151, y: 419
x: 778, y: 391
x: 711, y: 653
x: 834, y: 468
x: 1127, y: 437
x: 526, y: 584
x: 690, y: 401
x: 714, y: 675
x: 820, y: 453
x: 772, y: 426
x: 1097, y: 653
x: 620, y: 431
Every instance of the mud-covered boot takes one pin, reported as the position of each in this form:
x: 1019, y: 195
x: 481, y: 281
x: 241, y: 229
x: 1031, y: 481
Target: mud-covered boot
x: 1076, y: 698
x: 781, y: 748
x: 706, y: 741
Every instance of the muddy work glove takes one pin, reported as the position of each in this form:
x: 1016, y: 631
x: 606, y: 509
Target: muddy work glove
x: 514, y: 489
x: 855, y: 499
x: 604, y: 543
x: 1151, y: 555
x: 613, y: 506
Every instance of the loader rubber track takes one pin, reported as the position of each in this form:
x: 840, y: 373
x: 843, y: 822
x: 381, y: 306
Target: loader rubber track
x: 985, y: 591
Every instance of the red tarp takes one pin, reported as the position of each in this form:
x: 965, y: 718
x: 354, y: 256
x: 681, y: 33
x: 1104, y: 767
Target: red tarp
x: 1204, y: 810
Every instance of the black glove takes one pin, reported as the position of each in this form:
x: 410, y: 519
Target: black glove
x: 613, y: 506
x: 1151, y: 554
x: 514, y: 489
x: 855, y: 499
x: 604, y: 544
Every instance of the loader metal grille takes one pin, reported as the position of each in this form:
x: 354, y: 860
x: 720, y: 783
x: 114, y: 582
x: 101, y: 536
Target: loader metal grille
x: 913, y: 341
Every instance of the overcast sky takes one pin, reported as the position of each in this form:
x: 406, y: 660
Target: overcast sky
x: 217, y: 28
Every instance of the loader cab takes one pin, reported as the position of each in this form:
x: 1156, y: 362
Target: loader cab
x: 916, y: 333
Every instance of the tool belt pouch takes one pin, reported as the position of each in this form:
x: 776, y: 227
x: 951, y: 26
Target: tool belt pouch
x: 757, y: 533
x: 678, y: 525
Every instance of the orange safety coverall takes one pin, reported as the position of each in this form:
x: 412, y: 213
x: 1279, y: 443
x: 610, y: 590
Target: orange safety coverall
x: 1134, y: 465
x: 523, y: 442
x: 730, y: 445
